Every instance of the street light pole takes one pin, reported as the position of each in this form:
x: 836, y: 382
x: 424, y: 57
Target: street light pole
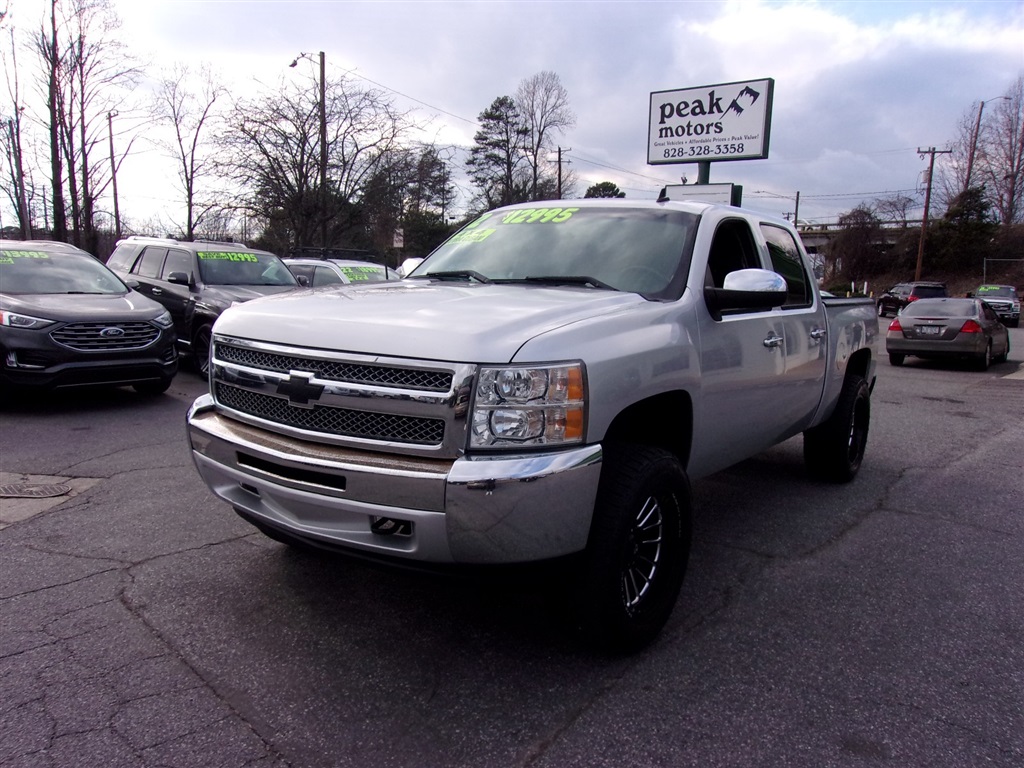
x: 323, y: 143
x: 974, y: 142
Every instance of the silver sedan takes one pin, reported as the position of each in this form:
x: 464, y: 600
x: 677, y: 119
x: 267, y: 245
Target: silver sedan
x: 950, y: 328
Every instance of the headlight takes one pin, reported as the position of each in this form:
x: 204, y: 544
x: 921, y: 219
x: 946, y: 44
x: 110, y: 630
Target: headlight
x: 528, y: 406
x: 164, y: 319
x: 14, y: 320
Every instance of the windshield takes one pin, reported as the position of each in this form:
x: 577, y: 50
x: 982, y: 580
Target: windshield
x: 996, y: 291
x: 243, y: 268
x: 641, y: 250
x: 48, y: 272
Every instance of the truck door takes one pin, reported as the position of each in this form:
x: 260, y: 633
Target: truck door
x: 804, y: 328
x: 745, y: 406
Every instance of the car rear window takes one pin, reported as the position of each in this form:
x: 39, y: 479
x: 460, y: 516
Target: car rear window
x: 929, y: 291
x: 955, y: 308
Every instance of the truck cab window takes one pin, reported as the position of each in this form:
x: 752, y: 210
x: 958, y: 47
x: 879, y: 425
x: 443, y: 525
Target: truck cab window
x: 785, y: 256
x: 732, y: 249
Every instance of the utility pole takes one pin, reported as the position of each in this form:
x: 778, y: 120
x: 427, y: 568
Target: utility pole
x: 560, y: 150
x: 113, y: 175
x: 323, y: 153
x: 932, y: 152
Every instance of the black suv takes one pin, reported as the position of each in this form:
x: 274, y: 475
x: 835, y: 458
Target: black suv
x: 197, y: 281
x: 901, y: 294
x: 68, y: 321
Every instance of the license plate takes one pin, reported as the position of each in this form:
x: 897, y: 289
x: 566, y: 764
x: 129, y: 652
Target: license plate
x: 929, y: 330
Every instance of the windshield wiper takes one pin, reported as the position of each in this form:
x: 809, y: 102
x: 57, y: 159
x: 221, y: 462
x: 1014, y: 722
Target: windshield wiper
x: 593, y: 282
x: 458, y: 274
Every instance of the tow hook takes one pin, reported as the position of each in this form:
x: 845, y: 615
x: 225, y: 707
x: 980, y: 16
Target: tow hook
x: 389, y: 526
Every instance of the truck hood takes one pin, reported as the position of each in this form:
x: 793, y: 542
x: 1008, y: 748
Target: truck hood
x: 464, y: 322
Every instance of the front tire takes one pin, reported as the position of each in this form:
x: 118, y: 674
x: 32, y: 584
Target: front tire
x: 638, y: 548
x: 201, y: 341
x: 834, y: 450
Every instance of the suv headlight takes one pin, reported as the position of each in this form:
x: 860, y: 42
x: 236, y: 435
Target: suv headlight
x: 14, y: 320
x: 164, y: 319
x: 531, y: 405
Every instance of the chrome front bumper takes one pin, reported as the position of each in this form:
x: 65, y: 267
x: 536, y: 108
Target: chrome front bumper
x: 486, y: 509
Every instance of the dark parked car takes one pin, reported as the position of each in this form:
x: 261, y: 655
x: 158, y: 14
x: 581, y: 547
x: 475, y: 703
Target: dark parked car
x: 1004, y: 300
x: 197, y: 281
x: 902, y: 294
x: 66, y: 320
x: 952, y: 328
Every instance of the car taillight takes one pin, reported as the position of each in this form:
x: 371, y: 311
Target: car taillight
x: 912, y: 297
x: 971, y: 327
x: 895, y: 325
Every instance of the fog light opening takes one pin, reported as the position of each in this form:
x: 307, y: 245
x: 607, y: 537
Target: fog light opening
x: 249, y: 489
x: 389, y: 526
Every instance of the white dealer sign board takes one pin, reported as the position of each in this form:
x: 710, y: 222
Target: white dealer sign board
x: 730, y: 121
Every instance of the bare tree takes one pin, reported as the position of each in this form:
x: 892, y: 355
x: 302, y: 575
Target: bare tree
x: 1000, y: 160
x: 88, y: 74
x: 12, y: 144
x: 895, y: 208
x: 272, y: 154
x: 191, y: 115
x: 543, y: 105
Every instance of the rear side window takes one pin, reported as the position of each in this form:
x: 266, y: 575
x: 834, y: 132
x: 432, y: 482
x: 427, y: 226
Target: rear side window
x: 123, y: 258
x: 785, y: 256
x: 151, y: 262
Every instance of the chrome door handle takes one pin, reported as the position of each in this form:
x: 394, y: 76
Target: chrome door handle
x: 819, y: 333
x: 773, y: 341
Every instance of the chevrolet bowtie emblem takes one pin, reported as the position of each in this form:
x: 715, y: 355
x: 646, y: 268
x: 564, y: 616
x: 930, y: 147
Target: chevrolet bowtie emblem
x: 299, y: 389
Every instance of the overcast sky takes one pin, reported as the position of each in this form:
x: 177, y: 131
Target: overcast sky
x: 859, y: 86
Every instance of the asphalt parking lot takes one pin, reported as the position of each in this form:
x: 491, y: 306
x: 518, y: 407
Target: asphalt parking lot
x: 878, y: 623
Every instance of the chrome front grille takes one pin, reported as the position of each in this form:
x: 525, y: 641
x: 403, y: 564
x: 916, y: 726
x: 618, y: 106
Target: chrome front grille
x: 331, y: 420
x: 358, y: 373
x: 395, y: 405
x: 104, y: 337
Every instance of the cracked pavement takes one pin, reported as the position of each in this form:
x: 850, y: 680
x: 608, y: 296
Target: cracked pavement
x: 142, y: 623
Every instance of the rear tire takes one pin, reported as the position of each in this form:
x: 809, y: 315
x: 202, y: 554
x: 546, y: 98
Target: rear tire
x: 984, y: 360
x: 881, y: 311
x: 896, y: 359
x: 834, y: 450
x: 638, y: 549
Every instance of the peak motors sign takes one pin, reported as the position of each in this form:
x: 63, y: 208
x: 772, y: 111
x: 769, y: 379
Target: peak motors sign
x: 731, y: 121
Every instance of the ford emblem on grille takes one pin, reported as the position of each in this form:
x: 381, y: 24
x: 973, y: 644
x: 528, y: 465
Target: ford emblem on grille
x: 299, y: 389
x: 112, y: 333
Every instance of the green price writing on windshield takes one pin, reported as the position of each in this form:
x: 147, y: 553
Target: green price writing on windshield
x: 542, y: 215
x: 226, y: 256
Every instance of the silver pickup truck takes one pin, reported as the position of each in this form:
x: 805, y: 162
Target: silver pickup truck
x: 545, y: 384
